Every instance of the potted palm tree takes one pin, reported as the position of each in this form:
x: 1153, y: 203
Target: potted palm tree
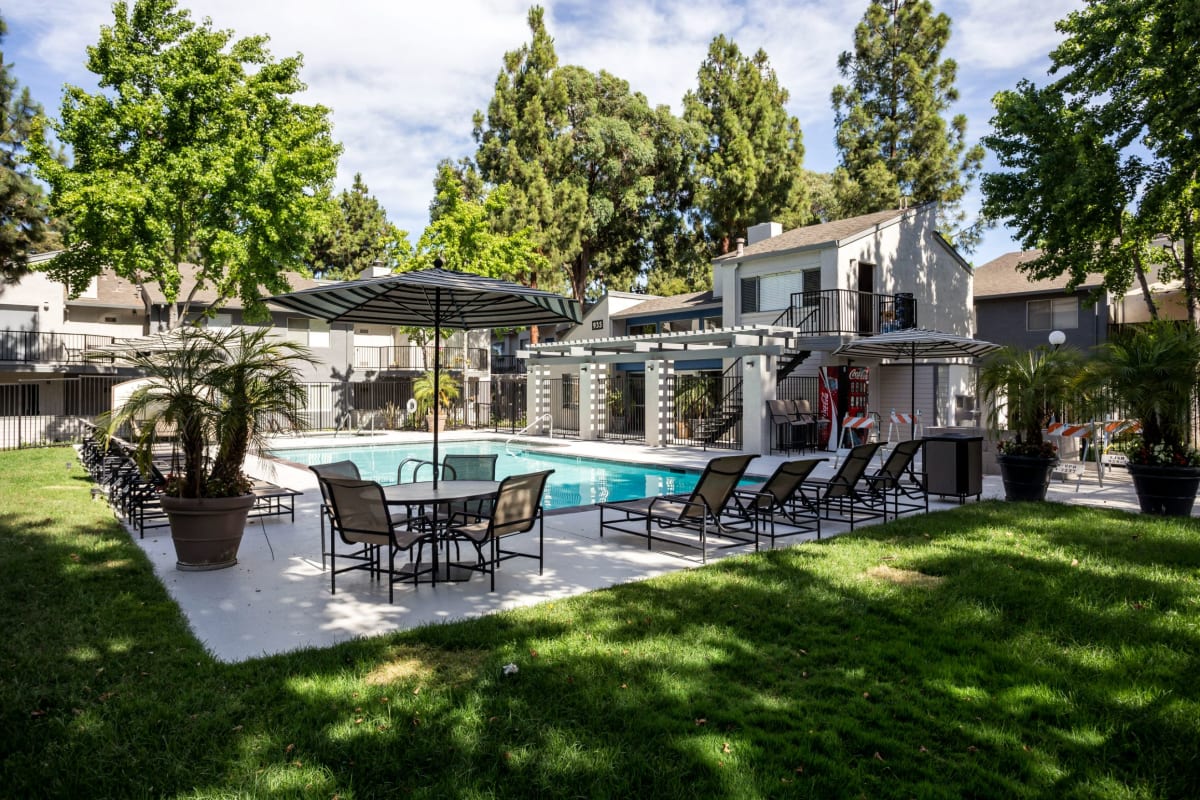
x: 212, y: 391
x: 423, y: 393
x: 693, y: 404
x: 1023, y: 389
x: 1152, y: 372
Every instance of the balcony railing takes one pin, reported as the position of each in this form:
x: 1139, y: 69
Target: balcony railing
x: 833, y: 312
x: 36, y: 347
x: 417, y: 357
x: 507, y: 365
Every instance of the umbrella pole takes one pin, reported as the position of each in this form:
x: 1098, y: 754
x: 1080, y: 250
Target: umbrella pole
x: 912, y: 391
x: 437, y: 375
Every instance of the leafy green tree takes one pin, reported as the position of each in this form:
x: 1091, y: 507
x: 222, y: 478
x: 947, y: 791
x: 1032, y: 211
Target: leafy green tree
x: 749, y: 157
x: 1101, y: 166
x: 893, y: 139
x: 359, y: 236
x: 24, y: 222
x: 193, y: 150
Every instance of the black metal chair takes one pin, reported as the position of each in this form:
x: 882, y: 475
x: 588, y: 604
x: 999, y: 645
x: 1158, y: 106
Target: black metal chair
x: 706, y: 510
x: 363, y: 520
x: 781, y: 500
x: 516, y: 509
x: 845, y: 496
x: 897, y: 482
x: 336, y: 469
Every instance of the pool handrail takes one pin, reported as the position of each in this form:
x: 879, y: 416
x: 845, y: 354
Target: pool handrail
x: 417, y: 464
x: 538, y: 421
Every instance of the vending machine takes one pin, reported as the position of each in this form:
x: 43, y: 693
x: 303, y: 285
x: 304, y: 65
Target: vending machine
x: 843, y: 392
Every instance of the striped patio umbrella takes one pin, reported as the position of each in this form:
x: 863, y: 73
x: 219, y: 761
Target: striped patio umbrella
x: 914, y: 343
x: 433, y: 298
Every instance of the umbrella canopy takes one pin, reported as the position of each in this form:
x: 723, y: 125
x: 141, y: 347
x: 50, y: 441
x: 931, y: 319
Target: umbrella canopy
x: 914, y: 343
x: 432, y: 298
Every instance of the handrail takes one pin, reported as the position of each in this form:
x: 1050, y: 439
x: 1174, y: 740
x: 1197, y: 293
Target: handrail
x: 418, y: 463
x: 537, y: 421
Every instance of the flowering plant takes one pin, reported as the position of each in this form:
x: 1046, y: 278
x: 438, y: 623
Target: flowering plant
x: 1015, y: 447
x: 1163, y: 455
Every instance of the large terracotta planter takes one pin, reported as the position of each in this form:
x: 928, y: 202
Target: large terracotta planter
x: 208, y: 530
x: 1026, y: 477
x: 1169, y: 491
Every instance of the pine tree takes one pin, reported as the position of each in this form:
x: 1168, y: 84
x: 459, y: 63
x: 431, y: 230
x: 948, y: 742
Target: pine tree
x: 749, y: 159
x: 24, y: 223
x: 359, y: 236
x: 893, y: 139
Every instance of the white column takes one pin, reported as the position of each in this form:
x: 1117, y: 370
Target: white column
x: 660, y: 408
x: 590, y: 403
x: 535, y: 385
x: 758, y: 386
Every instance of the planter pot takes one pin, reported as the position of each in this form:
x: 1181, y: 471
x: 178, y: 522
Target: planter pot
x: 1169, y: 491
x: 208, y: 530
x: 441, y: 422
x: 1026, y: 477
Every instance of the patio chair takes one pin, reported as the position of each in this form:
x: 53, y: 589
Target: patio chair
x: 516, y: 509
x: 897, y: 481
x: 704, y: 511
x: 336, y: 469
x: 781, y: 500
x: 469, y: 467
x: 791, y: 427
x: 361, y: 518
x: 846, y: 490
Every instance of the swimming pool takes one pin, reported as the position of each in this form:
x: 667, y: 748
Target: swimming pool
x: 576, y: 481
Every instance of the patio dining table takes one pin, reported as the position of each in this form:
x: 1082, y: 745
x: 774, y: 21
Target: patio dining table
x: 428, y: 493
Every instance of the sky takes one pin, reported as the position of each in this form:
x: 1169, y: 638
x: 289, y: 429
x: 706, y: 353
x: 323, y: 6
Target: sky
x: 403, y: 78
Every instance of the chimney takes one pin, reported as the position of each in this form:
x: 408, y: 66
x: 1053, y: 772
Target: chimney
x: 762, y: 231
x: 377, y: 270
x: 741, y: 246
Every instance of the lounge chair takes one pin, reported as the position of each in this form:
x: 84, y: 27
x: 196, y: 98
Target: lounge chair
x: 897, y: 482
x: 705, y: 511
x: 361, y: 518
x: 845, y: 496
x: 780, y: 500
x: 516, y: 509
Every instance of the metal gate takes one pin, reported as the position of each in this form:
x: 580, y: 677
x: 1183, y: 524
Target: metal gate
x: 506, y: 403
x: 564, y: 405
x: 625, y: 406
x: 708, y: 411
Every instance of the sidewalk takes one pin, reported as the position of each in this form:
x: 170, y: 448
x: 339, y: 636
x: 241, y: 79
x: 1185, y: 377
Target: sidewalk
x: 277, y: 598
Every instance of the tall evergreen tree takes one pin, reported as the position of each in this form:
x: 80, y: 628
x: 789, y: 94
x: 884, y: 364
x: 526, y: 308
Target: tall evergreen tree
x: 892, y: 136
x: 24, y: 217
x: 359, y: 235
x: 749, y: 158
x: 194, y: 149
x: 586, y: 163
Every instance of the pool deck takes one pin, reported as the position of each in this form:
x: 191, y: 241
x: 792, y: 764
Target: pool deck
x: 277, y: 598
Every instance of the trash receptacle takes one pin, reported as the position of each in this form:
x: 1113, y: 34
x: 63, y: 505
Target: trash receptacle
x: 954, y: 465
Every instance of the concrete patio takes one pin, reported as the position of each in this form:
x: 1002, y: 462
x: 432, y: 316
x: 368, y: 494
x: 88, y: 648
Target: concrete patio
x: 277, y: 598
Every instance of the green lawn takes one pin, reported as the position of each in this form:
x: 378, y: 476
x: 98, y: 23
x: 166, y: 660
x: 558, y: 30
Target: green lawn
x: 998, y: 650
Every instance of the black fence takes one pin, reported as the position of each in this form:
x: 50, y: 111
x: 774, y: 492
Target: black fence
x: 708, y: 411
x: 35, y: 347
x: 39, y: 412
x: 841, y: 311
x: 564, y: 405
x: 800, y: 387
x: 625, y: 406
x: 417, y: 357
x: 505, y: 405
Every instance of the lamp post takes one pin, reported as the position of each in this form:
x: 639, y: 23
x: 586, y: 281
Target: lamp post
x: 1057, y: 339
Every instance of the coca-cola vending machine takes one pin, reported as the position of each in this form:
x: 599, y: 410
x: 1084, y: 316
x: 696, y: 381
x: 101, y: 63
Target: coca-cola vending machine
x: 843, y: 393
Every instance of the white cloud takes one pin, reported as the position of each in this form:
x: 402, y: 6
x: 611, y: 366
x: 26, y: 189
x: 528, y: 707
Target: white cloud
x: 404, y: 78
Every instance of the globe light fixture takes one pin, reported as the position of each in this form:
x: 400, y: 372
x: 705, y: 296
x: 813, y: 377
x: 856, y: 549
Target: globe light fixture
x: 1057, y: 339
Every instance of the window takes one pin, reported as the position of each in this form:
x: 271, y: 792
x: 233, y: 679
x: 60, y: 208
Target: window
x: 312, y: 332
x: 1053, y: 314
x: 220, y: 321
x: 648, y: 329
x: 774, y: 292
x: 712, y: 323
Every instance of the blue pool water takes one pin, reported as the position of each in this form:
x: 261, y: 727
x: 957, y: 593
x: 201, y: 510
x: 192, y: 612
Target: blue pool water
x: 576, y: 481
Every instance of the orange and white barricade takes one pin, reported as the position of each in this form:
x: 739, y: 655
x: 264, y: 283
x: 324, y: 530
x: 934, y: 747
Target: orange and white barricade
x: 855, y: 430
x: 1086, y: 432
x: 901, y: 421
